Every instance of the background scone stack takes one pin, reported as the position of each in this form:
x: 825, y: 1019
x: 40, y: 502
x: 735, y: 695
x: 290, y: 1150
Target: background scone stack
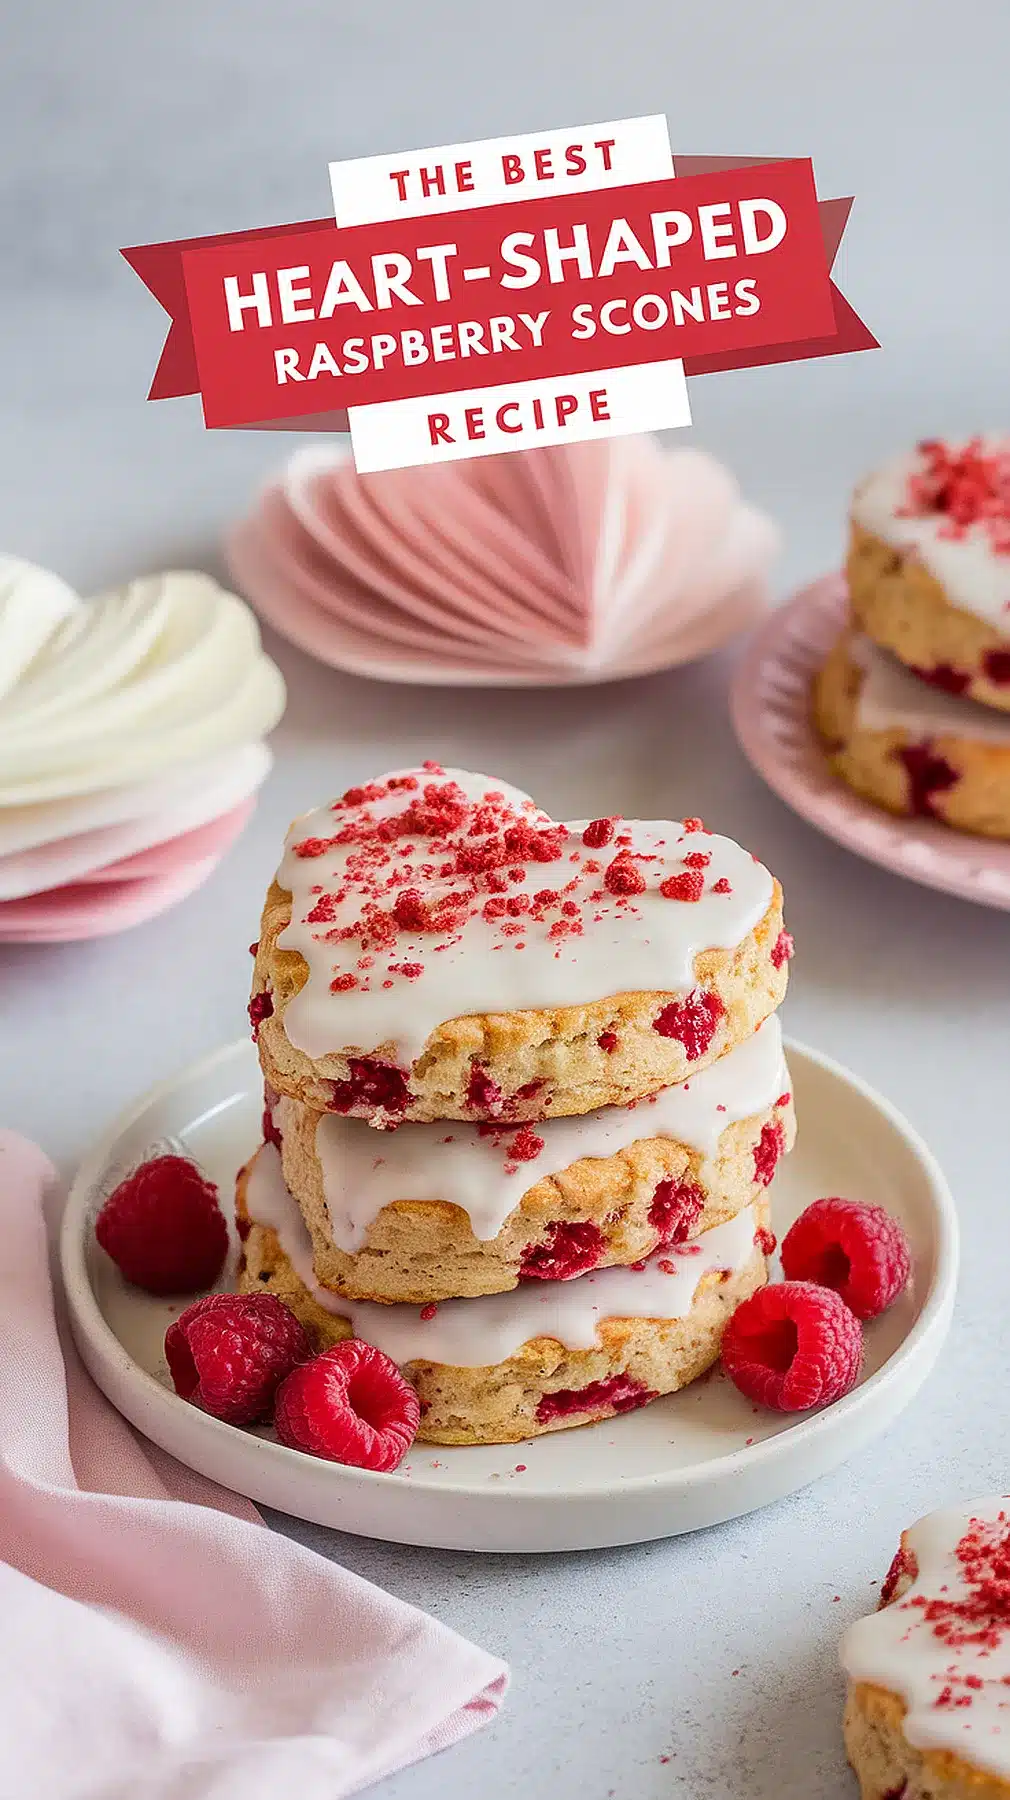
x: 914, y: 700
x: 525, y: 1094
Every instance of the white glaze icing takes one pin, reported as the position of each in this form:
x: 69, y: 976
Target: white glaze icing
x: 479, y: 1333
x: 644, y: 942
x: 457, y: 1163
x: 972, y: 575
x: 898, y: 1648
x: 166, y: 670
x: 891, y: 698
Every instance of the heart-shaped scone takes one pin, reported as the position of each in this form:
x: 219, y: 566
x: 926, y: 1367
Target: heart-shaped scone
x: 445, y: 1214
x: 436, y: 947
x: 508, y: 1367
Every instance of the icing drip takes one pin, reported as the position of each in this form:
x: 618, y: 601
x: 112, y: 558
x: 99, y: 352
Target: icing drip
x: 944, y: 1645
x: 974, y: 576
x: 891, y: 699
x: 479, y: 1333
x: 484, y: 1172
x: 433, y: 893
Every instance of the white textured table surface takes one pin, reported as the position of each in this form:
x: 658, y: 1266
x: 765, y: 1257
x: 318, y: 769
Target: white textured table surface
x: 123, y: 124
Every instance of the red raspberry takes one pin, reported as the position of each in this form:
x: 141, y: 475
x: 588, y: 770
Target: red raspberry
x: 350, y: 1405
x: 570, y: 1249
x: 597, y: 833
x: 793, y: 1346
x: 858, y: 1250
x: 164, y: 1229
x: 228, y: 1354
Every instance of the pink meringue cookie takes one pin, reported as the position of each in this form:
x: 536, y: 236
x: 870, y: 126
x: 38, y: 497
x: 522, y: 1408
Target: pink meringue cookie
x: 130, y: 746
x: 549, y: 567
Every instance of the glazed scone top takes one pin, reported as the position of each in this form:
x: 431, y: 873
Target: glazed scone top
x: 476, y: 1334
x: 486, y: 1170
x: 892, y: 698
x: 949, y: 505
x: 433, y: 893
x: 942, y: 1644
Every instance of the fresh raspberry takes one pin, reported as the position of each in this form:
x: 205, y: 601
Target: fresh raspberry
x: 570, y: 1250
x: 694, y: 1021
x: 944, y: 676
x: 350, y: 1405
x: 483, y: 1095
x: 793, y: 1346
x: 164, y: 1229
x: 597, y: 833
x: 858, y: 1250
x: 996, y: 664
x: 228, y: 1354
x: 689, y: 885
x: 608, y: 1041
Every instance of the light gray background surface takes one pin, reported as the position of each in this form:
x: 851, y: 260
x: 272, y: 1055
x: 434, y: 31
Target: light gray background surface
x: 123, y: 123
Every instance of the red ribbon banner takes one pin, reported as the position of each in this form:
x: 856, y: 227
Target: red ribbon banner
x: 725, y: 265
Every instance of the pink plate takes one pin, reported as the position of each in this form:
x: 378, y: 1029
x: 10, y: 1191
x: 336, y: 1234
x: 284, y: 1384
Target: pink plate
x: 771, y: 715
x: 86, y: 910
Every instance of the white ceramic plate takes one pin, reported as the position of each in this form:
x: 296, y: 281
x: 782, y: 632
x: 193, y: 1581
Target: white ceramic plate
x: 691, y: 1460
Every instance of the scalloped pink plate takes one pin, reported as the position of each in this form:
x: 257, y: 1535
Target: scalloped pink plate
x: 770, y: 706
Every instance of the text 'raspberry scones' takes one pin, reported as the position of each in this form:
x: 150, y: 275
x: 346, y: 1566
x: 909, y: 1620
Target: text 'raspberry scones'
x: 436, y: 947
x: 928, y: 1710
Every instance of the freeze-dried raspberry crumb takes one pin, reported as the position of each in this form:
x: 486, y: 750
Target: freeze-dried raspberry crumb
x: 349, y: 1405
x: 571, y: 1249
x: 858, y: 1250
x: 623, y: 876
x: 722, y: 886
x: 526, y: 1145
x: 698, y: 859
x: 675, y: 1210
x: 767, y: 1152
x: 164, y: 1229
x: 782, y: 950
x: 765, y: 1240
x: 608, y: 1041
x: 783, y: 1100
x: 370, y: 1086
x: 792, y: 1346
x: 313, y: 846
x: 228, y: 1354
x: 693, y: 1021
x: 694, y: 825
x: 261, y: 1007
x: 968, y: 484
x: 614, y: 1394
x: 598, y: 832
x: 687, y: 886
x: 428, y: 1312
x: 342, y: 984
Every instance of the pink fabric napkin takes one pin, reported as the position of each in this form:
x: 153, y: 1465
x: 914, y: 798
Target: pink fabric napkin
x: 157, y: 1642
